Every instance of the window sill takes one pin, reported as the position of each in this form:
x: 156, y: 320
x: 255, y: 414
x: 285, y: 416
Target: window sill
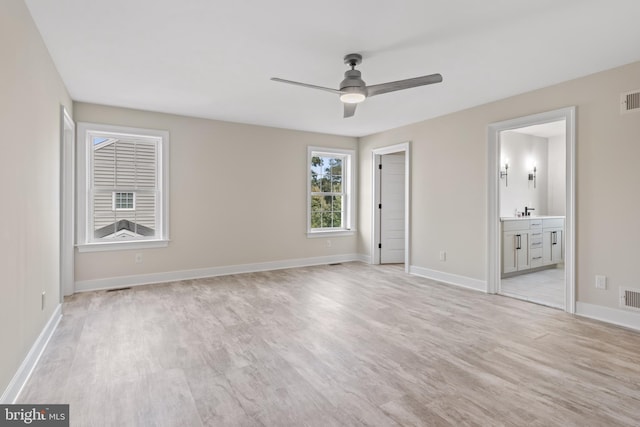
x: 119, y: 246
x: 332, y: 233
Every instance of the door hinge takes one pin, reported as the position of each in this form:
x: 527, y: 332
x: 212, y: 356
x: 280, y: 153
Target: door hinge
x: 379, y: 245
x: 380, y: 166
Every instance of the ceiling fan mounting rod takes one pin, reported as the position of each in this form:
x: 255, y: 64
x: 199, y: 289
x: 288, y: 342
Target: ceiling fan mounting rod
x: 353, y: 59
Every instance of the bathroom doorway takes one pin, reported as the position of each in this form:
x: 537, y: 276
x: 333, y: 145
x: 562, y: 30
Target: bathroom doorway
x: 532, y: 213
x: 531, y: 205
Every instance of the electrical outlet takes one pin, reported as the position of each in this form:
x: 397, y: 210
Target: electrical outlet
x: 601, y: 282
x: 138, y: 258
x: 443, y: 255
x: 42, y: 300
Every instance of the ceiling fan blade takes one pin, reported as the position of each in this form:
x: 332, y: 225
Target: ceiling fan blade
x: 349, y: 109
x: 328, y: 89
x: 374, y: 90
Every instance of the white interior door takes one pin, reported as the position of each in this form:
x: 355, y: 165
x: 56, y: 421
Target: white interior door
x: 392, y: 215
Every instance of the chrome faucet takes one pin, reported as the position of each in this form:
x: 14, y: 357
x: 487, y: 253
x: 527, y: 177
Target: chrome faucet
x: 527, y: 211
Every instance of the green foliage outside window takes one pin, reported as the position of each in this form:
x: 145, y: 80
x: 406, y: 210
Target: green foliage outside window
x: 326, y: 192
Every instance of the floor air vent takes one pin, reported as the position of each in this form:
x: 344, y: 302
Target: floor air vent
x: 630, y: 298
x: 630, y: 102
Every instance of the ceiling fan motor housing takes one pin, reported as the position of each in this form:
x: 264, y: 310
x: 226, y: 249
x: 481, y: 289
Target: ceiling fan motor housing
x: 352, y: 82
x: 353, y: 88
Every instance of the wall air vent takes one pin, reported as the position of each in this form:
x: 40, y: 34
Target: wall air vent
x: 630, y: 298
x: 630, y: 102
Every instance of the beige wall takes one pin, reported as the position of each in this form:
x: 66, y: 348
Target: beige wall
x: 556, y: 195
x: 449, y: 175
x: 238, y: 196
x: 31, y: 92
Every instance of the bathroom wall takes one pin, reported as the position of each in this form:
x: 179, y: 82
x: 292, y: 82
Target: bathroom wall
x: 522, y: 150
x: 556, y: 188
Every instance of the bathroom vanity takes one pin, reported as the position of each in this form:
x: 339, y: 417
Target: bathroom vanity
x: 531, y: 242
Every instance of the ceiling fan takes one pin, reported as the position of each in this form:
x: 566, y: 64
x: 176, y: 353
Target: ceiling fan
x: 353, y: 89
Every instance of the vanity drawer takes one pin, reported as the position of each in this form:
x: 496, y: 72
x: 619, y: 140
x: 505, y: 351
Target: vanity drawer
x: 535, y: 239
x: 536, y: 257
x: 535, y: 224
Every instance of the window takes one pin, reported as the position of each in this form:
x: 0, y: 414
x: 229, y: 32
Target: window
x: 122, y: 187
x: 124, y: 201
x: 330, y: 183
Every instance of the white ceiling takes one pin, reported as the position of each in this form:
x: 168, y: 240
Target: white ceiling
x: 214, y: 58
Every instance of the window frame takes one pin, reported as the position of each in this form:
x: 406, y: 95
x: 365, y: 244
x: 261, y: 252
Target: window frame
x: 349, y: 191
x: 85, y: 240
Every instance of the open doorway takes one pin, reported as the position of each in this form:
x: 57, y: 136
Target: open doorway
x: 531, y: 208
x: 390, y: 243
x: 533, y: 212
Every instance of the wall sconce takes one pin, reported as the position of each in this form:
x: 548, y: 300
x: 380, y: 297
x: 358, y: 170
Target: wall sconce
x: 504, y: 174
x: 532, y: 176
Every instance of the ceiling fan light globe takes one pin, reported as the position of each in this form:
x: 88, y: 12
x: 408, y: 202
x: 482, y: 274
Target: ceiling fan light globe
x: 352, y: 98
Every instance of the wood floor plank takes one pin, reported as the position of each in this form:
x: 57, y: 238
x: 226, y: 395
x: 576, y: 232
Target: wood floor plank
x: 342, y: 345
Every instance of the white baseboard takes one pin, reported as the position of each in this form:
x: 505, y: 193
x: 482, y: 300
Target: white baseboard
x: 628, y: 319
x: 21, y: 377
x: 364, y: 258
x: 172, y: 276
x: 451, y: 279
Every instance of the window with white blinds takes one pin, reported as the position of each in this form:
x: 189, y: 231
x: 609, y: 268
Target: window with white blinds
x: 125, y: 179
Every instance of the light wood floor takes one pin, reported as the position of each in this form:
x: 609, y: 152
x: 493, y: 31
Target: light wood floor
x: 344, y: 345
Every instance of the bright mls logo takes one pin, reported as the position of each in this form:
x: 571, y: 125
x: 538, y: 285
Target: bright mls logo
x: 34, y: 415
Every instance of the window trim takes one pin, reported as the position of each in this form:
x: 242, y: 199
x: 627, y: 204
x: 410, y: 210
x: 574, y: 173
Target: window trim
x: 349, y: 186
x: 84, y: 241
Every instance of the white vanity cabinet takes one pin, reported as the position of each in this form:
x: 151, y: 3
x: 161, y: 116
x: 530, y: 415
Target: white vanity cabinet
x: 553, y: 240
x: 515, y: 246
x: 531, y: 243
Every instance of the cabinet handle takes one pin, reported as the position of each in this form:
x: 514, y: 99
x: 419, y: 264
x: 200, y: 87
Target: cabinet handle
x: 554, y: 237
x: 537, y: 257
x: 536, y: 234
x: 536, y: 244
x: 518, y: 241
